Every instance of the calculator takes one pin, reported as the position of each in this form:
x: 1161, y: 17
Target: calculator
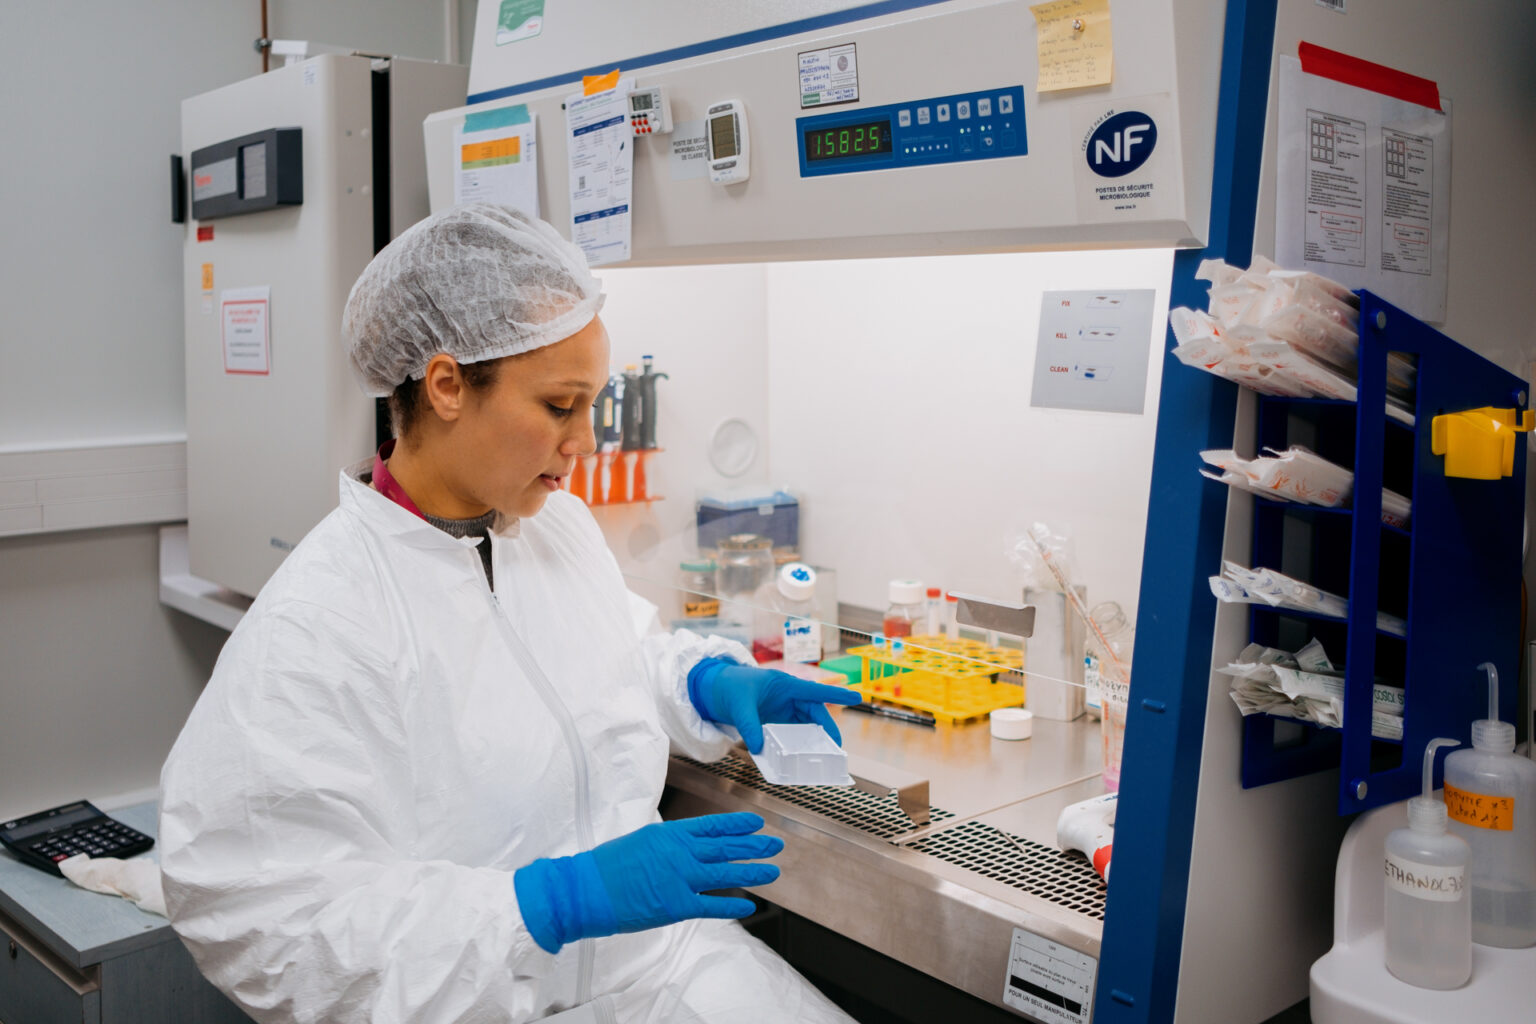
x: 47, y: 837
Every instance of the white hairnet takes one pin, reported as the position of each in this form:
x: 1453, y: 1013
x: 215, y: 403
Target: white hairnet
x: 477, y: 282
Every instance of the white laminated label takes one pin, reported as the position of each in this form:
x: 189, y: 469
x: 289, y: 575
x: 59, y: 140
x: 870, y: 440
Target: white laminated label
x: 1048, y: 981
x: 802, y: 640
x: 1426, y: 881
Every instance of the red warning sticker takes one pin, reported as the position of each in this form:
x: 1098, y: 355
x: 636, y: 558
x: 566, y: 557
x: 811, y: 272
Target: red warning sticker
x: 205, y: 232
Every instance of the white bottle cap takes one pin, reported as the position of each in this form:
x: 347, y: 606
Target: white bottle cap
x: 906, y: 592
x: 797, y: 581
x: 1012, y: 723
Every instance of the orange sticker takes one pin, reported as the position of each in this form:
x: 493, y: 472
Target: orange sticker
x: 207, y: 277
x: 1480, y: 810
x: 593, y: 84
x: 491, y: 154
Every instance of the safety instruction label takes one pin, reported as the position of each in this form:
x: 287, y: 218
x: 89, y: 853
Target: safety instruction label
x: 1479, y: 809
x: 829, y: 76
x: 1049, y: 981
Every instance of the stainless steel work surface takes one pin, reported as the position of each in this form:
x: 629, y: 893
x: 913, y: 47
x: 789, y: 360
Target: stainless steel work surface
x: 945, y: 897
x: 81, y: 927
x: 968, y: 771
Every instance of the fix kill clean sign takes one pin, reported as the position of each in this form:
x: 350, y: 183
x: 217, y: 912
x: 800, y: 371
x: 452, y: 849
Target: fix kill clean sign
x: 1121, y: 144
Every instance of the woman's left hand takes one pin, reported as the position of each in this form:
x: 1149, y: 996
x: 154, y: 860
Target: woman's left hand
x: 747, y: 697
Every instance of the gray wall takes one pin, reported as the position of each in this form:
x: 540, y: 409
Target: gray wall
x: 96, y: 677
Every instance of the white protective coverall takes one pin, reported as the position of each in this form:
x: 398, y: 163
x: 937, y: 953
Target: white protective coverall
x: 384, y: 742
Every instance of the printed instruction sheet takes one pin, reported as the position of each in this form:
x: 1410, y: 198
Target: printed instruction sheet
x: 245, y: 331
x: 1363, y: 189
x: 602, y: 153
x: 497, y: 159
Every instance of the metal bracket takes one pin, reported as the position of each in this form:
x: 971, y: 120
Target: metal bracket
x: 878, y: 779
x: 1015, y: 619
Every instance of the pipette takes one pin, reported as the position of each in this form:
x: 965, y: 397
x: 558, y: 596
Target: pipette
x: 1077, y: 604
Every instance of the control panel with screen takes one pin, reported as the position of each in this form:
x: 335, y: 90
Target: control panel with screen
x: 945, y: 129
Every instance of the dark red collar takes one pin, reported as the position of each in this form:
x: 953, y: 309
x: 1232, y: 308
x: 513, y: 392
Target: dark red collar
x: 387, y: 485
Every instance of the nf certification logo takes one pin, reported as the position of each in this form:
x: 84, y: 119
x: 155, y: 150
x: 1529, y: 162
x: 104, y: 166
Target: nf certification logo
x: 1121, y: 143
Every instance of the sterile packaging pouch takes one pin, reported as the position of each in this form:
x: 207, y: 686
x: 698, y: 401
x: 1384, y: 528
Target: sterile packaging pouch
x: 1230, y: 303
x: 1217, y: 272
x: 801, y: 755
x: 1318, y: 378
x: 1325, y: 285
x: 1316, y: 335
x: 1321, y: 295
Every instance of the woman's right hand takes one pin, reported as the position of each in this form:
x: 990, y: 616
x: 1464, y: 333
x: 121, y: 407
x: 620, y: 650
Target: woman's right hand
x: 655, y: 875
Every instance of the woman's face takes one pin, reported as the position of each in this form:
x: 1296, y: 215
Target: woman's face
x: 518, y: 440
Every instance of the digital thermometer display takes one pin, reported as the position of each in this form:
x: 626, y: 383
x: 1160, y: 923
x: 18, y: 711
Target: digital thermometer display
x: 850, y: 140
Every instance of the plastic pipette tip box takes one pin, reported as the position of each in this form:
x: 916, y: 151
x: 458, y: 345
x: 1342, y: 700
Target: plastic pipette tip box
x: 801, y: 755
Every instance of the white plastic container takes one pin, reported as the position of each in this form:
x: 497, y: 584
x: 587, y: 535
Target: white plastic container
x: 1490, y: 794
x: 788, y: 627
x: 1427, y: 913
x: 801, y: 755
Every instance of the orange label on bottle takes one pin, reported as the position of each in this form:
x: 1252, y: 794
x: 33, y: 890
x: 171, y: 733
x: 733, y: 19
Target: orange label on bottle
x: 1480, y: 810
x: 701, y: 609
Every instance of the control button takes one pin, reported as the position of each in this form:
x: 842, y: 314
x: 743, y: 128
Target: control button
x: 1005, y: 104
x: 904, y: 118
x: 60, y: 856
x: 987, y: 141
x: 943, y: 109
x: 963, y: 109
x: 967, y: 144
x: 1010, y: 140
x: 922, y: 115
x: 984, y: 107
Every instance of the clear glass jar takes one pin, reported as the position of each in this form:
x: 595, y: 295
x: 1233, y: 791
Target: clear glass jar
x: 744, y: 565
x: 698, y: 583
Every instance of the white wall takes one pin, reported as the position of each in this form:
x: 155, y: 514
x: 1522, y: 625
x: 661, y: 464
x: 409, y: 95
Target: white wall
x: 895, y: 395
x: 707, y: 328
x: 96, y: 676
x: 899, y: 402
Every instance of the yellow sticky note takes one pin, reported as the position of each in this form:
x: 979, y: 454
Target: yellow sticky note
x: 207, y: 277
x: 593, y: 84
x: 1076, y: 47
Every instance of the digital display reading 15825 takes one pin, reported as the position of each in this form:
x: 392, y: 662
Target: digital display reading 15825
x: 849, y: 140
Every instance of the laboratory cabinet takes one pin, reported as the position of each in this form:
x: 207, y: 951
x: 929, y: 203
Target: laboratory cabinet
x: 77, y: 956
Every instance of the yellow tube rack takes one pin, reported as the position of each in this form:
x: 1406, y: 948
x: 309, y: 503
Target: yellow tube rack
x: 953, y: 680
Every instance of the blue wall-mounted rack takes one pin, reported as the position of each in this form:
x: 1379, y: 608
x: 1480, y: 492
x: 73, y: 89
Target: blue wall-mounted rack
x: 1453, y: 573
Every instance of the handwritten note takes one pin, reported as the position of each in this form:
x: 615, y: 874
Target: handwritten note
x: 1076, y: 48
x: 1479, y: 809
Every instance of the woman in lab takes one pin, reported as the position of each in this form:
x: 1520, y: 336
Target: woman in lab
x: 422, y: 783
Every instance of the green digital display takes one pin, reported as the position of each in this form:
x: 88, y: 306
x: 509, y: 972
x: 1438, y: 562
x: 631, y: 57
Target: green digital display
x: 870, y: 138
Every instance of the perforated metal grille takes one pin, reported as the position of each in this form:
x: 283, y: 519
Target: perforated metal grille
x: 1042, y: 871
x: 878, y: 816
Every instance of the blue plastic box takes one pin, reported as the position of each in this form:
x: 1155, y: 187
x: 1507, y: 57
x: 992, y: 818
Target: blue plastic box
x: 767, y: 513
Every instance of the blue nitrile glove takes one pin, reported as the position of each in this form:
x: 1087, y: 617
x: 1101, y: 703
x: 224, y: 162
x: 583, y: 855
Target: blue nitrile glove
x: 650, y: 877
x: 746, y: 696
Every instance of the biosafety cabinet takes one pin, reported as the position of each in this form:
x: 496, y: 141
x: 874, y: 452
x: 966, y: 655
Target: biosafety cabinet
x: 296, y: 178
x: 781, y: 155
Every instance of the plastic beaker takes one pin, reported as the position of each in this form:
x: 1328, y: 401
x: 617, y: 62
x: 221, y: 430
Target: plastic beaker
x: 1115, y: 698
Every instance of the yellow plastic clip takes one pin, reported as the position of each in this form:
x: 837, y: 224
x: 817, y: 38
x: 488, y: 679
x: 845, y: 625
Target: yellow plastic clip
x: 1479, y: 444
